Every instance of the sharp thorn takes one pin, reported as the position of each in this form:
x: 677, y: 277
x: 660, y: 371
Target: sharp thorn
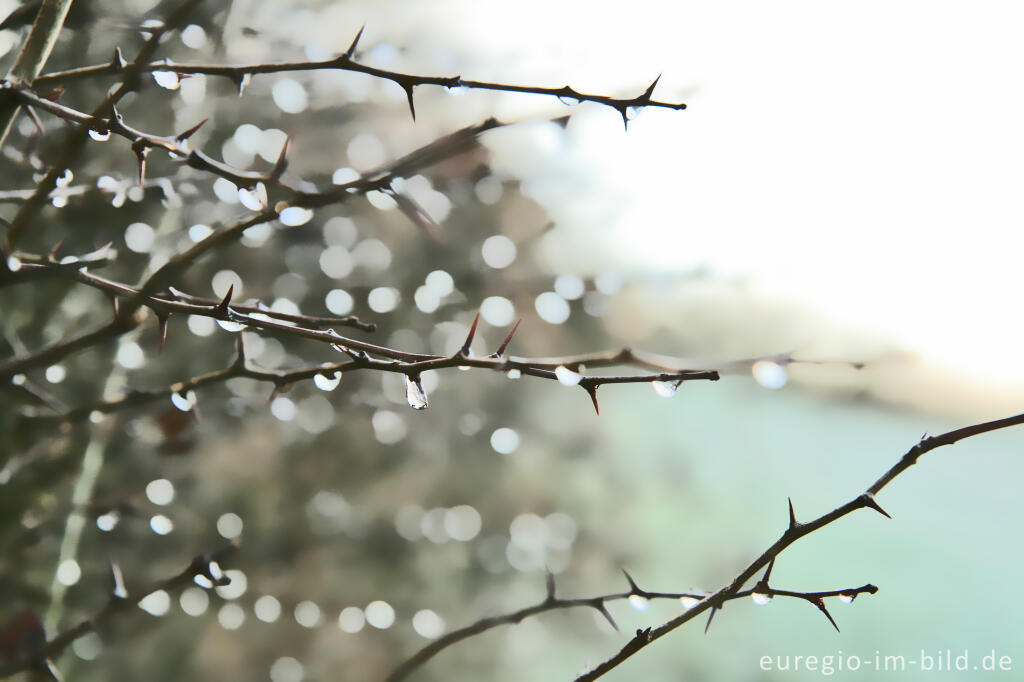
x: 239, y: 350
x: 767, y: 573
x: 222, y: 307
x: 633, y: 588
x: 820, y: 603
x: 792, y: 514
x: 55, y: 249
x: 710, y: 617
x: 591, y: 390
x: 625, y: 117
x: 469, y: 337
x: 650, y: 90
x: 550, y: 577
x: 408, y: 94
x: 119, y: 591
x: 352, y: 48
x: 282, y: 159
x: 504, y: 344
x: 118, y: 62
x: 162, y: 322
x: 181, y: 137
x: 604, y: 612
x: 869, y: 501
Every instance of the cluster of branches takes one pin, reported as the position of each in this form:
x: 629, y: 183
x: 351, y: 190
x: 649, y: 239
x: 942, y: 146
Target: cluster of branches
x: 157, y: 297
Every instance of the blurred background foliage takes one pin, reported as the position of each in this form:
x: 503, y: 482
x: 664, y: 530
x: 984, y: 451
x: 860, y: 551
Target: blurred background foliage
x: 366, y: 528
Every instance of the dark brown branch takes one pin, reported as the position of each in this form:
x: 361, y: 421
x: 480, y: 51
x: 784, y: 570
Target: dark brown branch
x: 794, y: 532
x: 552, y: 603
x: 345, y: 62
x: 200, y: 565
x: 77, y: 138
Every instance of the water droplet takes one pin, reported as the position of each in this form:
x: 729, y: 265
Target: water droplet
x: 327, y: 382
x: 293, y: 216
x: 564, y: 99
x: 167, y: 79
x: 184, y: 402
x: 243, y: 82
x: 59, y: 201
x: 760, y: 598
x: 414, y: 393
x: 847, y: 598
x: 566, y: 376
x: 99, y: 135
x: 18, y: 379
x: 769, y: 374
x: 13, y: 263
x: 688, y: 602
x: 230, y: 326
x: 65, y: 178
x: 514, y: 373
x: 466, y: 368
x: 253, y: 198
x: 666, y: 389
x: 639, y: 603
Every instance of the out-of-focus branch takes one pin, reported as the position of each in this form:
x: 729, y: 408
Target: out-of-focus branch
x: 241, y: 73
x: 552, y: 602
x: 76, y: 138
x: 205, y: 565
x: 794, y: 532
x: 32, y: 58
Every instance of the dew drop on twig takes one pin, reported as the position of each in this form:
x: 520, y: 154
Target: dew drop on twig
x: 414, y: 393
x: 327, y: 382
x: 167, y: 79
x: 566, y: 376
x: 231, y: 326
x: 846, y: 598
x: 666, y: 389
x: 514, y: 373
x: 639, y: 603
x: 760, y: 598
x: 253, y: 198
x: 688, y: 602
x: 100, y: 135
x: 184, y: 402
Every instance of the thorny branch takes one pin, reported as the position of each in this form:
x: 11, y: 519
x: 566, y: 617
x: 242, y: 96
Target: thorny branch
x: 120, y: 599
x: 794, y: 531
x: 552, y: 602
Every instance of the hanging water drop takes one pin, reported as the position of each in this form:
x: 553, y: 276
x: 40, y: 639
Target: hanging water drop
x: 184, y: 402
x: 253, y: 198
x: 243, y: 82
x: 327, y: 382
x: 99, y: 134
x: 414, y: 393
x: 566, y: 376
x: 769, y: 374
x: 514, y: 373
x: 293, y: 216
x: 167, y: 79
x: 59, y: 201
x: 466, y: 368
x: 13, y: 263
x: 567, y: 100
x: 761, y: 598
x: 846, y: 597
x: 688, y: 601
x: 231, y: 326
x: 639, y: 603
x: 666, y: 389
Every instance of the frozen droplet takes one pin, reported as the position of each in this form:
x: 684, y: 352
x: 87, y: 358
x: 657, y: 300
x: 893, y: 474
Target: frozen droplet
x: 846, y: 598
x: 566, y: 376
x: 184, y: 402
x: 769, y: 374
x: 293, y: 216
x: 414, y: 393
x: 231, y: 326
x: 253, y: 198
x: 688, y: 601
x: 761, y: 598
x: 665, y: 389
x: 327, y: 382
x: 167, y: 79
x: 639, y: 603
x: 514, y: 373
x: 100, y: 135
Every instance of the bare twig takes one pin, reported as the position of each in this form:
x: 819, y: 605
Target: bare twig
x: 794, y: 532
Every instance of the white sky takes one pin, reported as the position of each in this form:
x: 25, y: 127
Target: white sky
x: 865, y: 158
